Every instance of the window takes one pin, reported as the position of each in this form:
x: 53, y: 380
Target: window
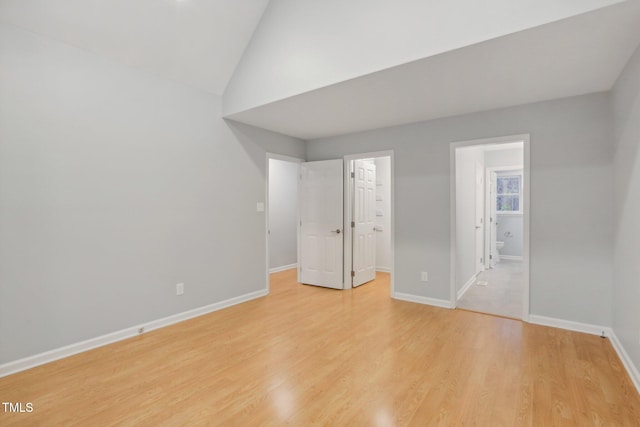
x: 508, y: 192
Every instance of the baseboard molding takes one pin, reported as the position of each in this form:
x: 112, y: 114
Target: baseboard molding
x: 466, y: 286
x: 69, y: 350
x: 511, y: 257
x: 423, y: 300
x: 383, y: 269
x: 283, y: 268
x: 626, y: 360
x: 569, y: 325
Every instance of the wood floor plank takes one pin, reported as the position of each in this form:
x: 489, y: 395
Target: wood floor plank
x: 311, y: 356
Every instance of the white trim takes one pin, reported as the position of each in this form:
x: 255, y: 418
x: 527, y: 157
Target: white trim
x: 626, y: 360
x: 348, y: 208
x: 383, y: 269
x: 283, y: 268
x: 466, y: 286
x: 69, y: 350
x: 511, y: 257
x: 525, y: 138
x: 526, y: 230
x: 593, y: 330
x: 270, y: 156
x: 569, y: 325
x: 436, y: 302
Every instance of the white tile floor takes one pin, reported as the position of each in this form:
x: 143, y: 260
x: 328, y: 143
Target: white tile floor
x: 502, y: 294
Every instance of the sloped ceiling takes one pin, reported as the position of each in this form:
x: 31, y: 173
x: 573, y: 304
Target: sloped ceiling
x: 304, y: 45
x: 574, y: 56
x: 196, y: 42
x: 378, y: 79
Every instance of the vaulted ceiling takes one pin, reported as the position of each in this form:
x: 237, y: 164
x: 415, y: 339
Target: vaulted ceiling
x: 579, y: 54
x: 312, y: 69
x: 196, y: 42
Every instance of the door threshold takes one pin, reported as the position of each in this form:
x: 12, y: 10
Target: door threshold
x: 488, y: 314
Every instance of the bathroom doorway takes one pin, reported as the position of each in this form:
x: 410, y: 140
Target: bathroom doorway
x: 489, y: 235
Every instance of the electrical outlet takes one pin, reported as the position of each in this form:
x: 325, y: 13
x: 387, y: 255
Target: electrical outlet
x: 180, y: 289
x: 424, y: 277
x: 141, y: 330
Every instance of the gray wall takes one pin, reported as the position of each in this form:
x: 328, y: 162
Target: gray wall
x: 506, y: 157
x: 114, y: 186
x: 626, y: 292
x: 509, y: 231
x: 571, y: 142
x: 283, y: 213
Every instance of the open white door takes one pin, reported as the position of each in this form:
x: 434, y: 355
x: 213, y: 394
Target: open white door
x: 479, y: 217
x: 321, y: 224
x: 364, y: 227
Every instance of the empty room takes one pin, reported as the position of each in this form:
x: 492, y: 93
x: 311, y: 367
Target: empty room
x: 302, y: 212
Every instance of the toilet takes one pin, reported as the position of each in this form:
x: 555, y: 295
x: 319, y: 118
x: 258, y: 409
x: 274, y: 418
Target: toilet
x: 499, y: 245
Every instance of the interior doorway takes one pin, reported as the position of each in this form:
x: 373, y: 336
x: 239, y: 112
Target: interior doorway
x: 282, y: 213
x: 490, y: 226
x: 321, y: 221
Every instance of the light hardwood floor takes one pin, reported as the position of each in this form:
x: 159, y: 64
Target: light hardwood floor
x: 311, y: 356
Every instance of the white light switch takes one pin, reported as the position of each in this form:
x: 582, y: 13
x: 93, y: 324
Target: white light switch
x: 260, y: 207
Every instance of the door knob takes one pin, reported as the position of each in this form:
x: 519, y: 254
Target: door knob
x: 336, y: 231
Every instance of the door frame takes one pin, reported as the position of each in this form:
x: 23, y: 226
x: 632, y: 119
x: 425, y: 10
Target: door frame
x: 488, y: 206
x: 266, y: 210
x: 348, y: 210
x: 525, y: 139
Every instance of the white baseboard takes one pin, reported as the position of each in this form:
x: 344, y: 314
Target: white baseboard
x: 626, y: 360
x: 569, y: 325
x: 69, y: 350
x: 511, y: 257
x: 594, y: 330
x: 282, y: 268
x: 423, y: 300
x: 383, y: 269
x: 466, y: 286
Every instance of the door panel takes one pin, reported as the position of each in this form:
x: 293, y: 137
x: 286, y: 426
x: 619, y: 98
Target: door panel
x: 321, y: 224
x: 479, y: 205
x: 364, y: 214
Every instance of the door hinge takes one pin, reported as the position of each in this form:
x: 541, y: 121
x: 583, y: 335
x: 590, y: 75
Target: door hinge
x: 353, y: 224
x: 353, y: 273
x: 353, y: 174
x: 490, y: 256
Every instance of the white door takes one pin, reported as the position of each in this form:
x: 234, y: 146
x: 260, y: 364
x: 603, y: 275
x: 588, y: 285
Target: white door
x: 364, y: 227
x: 494, y: 221
x: 321, y: 224
x: 479, y: 217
